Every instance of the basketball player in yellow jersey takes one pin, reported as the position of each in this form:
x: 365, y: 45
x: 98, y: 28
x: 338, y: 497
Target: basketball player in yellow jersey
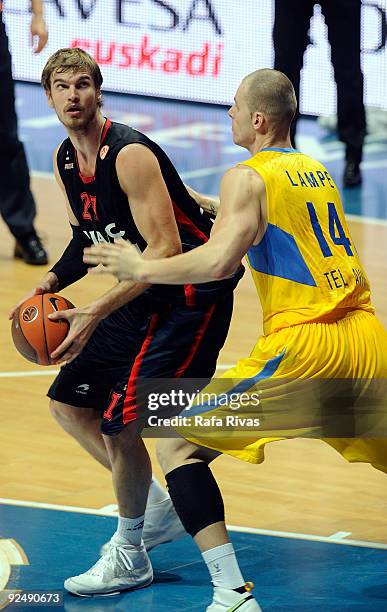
x: 323, y: 352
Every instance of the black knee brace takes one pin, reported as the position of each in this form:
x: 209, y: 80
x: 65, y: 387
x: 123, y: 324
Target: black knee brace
x: 196, y: 496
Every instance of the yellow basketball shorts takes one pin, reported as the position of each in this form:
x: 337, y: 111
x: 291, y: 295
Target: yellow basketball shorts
x: 315, y: 380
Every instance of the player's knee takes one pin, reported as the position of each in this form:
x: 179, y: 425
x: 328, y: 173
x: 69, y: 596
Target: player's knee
x: 69, y: 418
x: 166, y: 452
x: 127, y: 441
x: 172, y: 453
x: 57, y: 410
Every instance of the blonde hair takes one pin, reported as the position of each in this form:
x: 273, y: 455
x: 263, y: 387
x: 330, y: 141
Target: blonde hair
x: 272, y: 93
x: 74, y: 60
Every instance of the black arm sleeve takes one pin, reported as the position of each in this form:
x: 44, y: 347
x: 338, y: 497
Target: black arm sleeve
x: 70, y: 266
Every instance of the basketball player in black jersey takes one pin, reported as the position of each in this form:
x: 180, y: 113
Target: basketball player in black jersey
x: 118, y: 183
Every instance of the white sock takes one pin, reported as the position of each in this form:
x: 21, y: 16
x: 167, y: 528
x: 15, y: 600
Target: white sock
x: 223, y: 567
x: 130, y: 529
x: 157, y: 494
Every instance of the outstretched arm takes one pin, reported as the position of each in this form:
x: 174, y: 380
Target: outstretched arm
x: 234, y: 231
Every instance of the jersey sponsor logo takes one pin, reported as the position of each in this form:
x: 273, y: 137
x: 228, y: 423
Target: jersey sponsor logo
x: 69, y: 166
x: 114, y: 399
x: 89, y: 206
x: 29, y: 314
x: 104, y: 151
x: 110, y: 234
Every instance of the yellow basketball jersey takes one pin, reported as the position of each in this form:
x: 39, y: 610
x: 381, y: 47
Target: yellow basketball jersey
x: 306, y: 267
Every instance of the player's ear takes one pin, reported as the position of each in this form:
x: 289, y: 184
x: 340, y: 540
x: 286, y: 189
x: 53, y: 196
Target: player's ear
x: 258, y: 120
x: 49, y: 97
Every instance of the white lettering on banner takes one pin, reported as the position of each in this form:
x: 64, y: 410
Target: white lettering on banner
x: 192, y: 49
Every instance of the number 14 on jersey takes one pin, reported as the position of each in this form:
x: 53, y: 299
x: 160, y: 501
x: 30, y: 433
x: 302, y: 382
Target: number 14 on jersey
x: 336, y: 230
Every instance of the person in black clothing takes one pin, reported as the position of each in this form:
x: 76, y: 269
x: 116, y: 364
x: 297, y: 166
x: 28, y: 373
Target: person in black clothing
x: 17, y: 204
x: 118, y: 183
x: 290, y: 37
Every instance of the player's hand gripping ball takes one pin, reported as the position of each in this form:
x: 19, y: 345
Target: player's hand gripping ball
x: 35, y: 336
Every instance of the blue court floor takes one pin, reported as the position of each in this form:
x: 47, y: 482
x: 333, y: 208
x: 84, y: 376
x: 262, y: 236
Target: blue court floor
x: 289, y: 574
x: 198, y: 139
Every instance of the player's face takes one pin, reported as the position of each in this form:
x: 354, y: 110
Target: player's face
x: 242, y: 130
x: 74, y: 98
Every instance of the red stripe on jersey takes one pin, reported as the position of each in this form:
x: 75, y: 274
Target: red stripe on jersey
x: 184, y: 221
x: 90, y: 179
x: 190, y: 295
x: 198, y: 338
x: 130, y: 405
x: 105, y: 129
x: 86, y: 179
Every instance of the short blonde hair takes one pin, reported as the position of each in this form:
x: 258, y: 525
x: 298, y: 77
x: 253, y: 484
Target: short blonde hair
x: 75, y: 60
x: 272, y: 93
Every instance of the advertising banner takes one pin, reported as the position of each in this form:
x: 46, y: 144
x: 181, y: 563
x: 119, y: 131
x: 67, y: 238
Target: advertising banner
x: 192, y: 49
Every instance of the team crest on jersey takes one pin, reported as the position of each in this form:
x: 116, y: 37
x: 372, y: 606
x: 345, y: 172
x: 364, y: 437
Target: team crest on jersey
x: 89, y: 207
x: 104, y: 151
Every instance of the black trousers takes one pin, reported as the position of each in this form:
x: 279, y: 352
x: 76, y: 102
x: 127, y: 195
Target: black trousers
x: 17, y: 205
x: 290, y: 37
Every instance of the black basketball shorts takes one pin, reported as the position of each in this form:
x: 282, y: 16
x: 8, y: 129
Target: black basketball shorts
x: 133, y: 343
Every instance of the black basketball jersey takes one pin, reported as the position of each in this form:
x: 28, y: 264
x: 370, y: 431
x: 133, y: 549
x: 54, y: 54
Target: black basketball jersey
x: 102, y: 209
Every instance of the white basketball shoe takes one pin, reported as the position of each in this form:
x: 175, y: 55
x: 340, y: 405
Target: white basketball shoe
x: 161, y: 525
x: 226, y: 600
x: 122, y: 568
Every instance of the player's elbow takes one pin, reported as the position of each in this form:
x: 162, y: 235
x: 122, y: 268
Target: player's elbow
x: 172, y: 249
x: 164, y: 249
x: 224, y: 269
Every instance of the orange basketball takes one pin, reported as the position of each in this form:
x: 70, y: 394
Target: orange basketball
x: 35, y: 336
